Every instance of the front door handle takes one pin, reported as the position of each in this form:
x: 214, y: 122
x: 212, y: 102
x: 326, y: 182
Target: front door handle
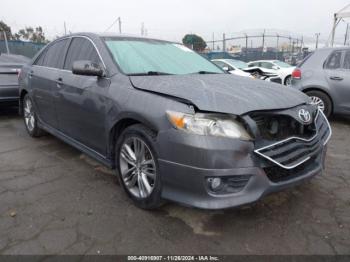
x: 59, y: 82
x: 338, y: 78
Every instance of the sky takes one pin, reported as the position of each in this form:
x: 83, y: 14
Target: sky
x: 172, y: 19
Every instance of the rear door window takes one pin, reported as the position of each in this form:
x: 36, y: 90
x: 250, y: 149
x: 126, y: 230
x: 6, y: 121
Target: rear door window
x: 334, y: 60
x: 81, y: 49
x: 54, y: 54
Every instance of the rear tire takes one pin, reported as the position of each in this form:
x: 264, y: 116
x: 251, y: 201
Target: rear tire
x: 288, y: 81
x: 136, y: 160
x: 30, y: 118
x: 322, y: 100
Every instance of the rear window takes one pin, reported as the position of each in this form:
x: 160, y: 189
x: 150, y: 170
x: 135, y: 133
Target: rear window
x: 305, y: 59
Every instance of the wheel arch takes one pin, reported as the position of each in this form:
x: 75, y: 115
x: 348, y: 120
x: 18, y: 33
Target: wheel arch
x: 119, y: 126
x: 285, y: 79
x: 21, y: 98
x: 308, y: 89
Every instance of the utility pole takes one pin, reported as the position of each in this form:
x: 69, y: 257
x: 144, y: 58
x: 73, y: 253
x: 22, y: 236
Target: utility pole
x: 224, y: 42
x: 65, y: 28
x: 302, y: 42
x: 317, y: 36
x: 6, y: 43
x: 213, y: 42
x: 120, y: 25
x: 277, y: 50
x: 142, y: 29
x: 246, y: 46
x: 263, y: 41
x: 346, y: 33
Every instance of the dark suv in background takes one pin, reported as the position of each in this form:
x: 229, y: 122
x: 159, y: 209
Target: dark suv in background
x: 325, y: 76
x: 173, y: 124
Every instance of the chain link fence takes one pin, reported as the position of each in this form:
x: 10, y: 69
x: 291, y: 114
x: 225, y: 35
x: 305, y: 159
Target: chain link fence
x: 257, y: 47
x: 28, y: 49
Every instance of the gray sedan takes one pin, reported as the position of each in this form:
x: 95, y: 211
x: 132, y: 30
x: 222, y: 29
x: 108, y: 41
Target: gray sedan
x: 172, y: 124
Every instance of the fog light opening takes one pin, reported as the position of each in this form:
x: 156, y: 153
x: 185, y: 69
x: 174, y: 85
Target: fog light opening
x: 215, y: 183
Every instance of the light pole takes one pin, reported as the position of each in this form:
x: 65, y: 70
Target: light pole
x: 317, y: 36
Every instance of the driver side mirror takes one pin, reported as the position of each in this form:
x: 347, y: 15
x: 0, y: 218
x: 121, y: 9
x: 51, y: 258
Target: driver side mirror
x: 87, y: 68
x: 275, y: 67
x: 225, y: 68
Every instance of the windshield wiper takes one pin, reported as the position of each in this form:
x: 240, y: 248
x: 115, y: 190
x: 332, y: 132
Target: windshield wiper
x: 205, y: 72
x: 150, y: 73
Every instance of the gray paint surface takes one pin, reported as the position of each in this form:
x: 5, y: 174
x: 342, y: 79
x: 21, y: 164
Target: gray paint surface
x: 224, y: 93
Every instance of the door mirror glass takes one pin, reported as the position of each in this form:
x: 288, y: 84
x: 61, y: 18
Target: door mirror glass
x: 87, y: 68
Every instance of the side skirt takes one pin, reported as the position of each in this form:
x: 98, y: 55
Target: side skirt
x: 90, y: 152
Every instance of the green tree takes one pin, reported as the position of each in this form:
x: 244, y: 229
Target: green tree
x: 194, y: 42
x: 5, y: 28
x: 36, y: 35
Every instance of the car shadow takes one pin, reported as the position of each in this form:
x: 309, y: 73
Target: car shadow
x: 8, y: 111
x: 340, y: 119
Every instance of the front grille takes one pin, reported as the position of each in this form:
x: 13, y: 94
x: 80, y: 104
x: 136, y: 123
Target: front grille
x: 279, y: 127
x: 294, y: 151
x: 278, y: 174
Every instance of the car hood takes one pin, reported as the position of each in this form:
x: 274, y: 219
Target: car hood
x: 224, y: 93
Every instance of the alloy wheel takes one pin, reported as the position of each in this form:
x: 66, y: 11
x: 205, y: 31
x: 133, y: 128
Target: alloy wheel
x: 288, y: 81
x: 318, y: 102
x: 137, y: 167
x: 29, y: 117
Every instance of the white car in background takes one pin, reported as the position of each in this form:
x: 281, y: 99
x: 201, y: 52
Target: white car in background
x: 240, y: 68
x: 232, y: 66
x: 283, y: 69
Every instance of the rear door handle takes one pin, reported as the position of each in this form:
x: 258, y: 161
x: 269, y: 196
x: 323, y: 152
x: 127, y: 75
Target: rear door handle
x: 338, y: 78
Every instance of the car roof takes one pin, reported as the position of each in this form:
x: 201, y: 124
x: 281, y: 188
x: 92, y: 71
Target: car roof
x: 93, y: 35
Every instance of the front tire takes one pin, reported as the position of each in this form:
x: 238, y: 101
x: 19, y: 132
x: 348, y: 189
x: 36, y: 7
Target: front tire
x: 137, y: 165
x: 322, y: 100
x: 30, y: 118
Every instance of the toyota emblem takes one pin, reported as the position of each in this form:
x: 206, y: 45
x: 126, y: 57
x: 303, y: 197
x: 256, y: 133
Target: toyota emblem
x: 304, y: 115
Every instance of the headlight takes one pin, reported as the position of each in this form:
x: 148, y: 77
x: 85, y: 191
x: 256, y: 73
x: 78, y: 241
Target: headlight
x: 208, y: 124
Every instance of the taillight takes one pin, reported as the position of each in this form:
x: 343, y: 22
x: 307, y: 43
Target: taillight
x: 296, y: 73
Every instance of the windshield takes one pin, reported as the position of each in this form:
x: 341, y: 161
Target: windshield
x: 282, y: 64
x: 237, y: 63
x: 139, y: 56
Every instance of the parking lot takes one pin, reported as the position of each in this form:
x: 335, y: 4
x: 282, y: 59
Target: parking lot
x: 55, y: 200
